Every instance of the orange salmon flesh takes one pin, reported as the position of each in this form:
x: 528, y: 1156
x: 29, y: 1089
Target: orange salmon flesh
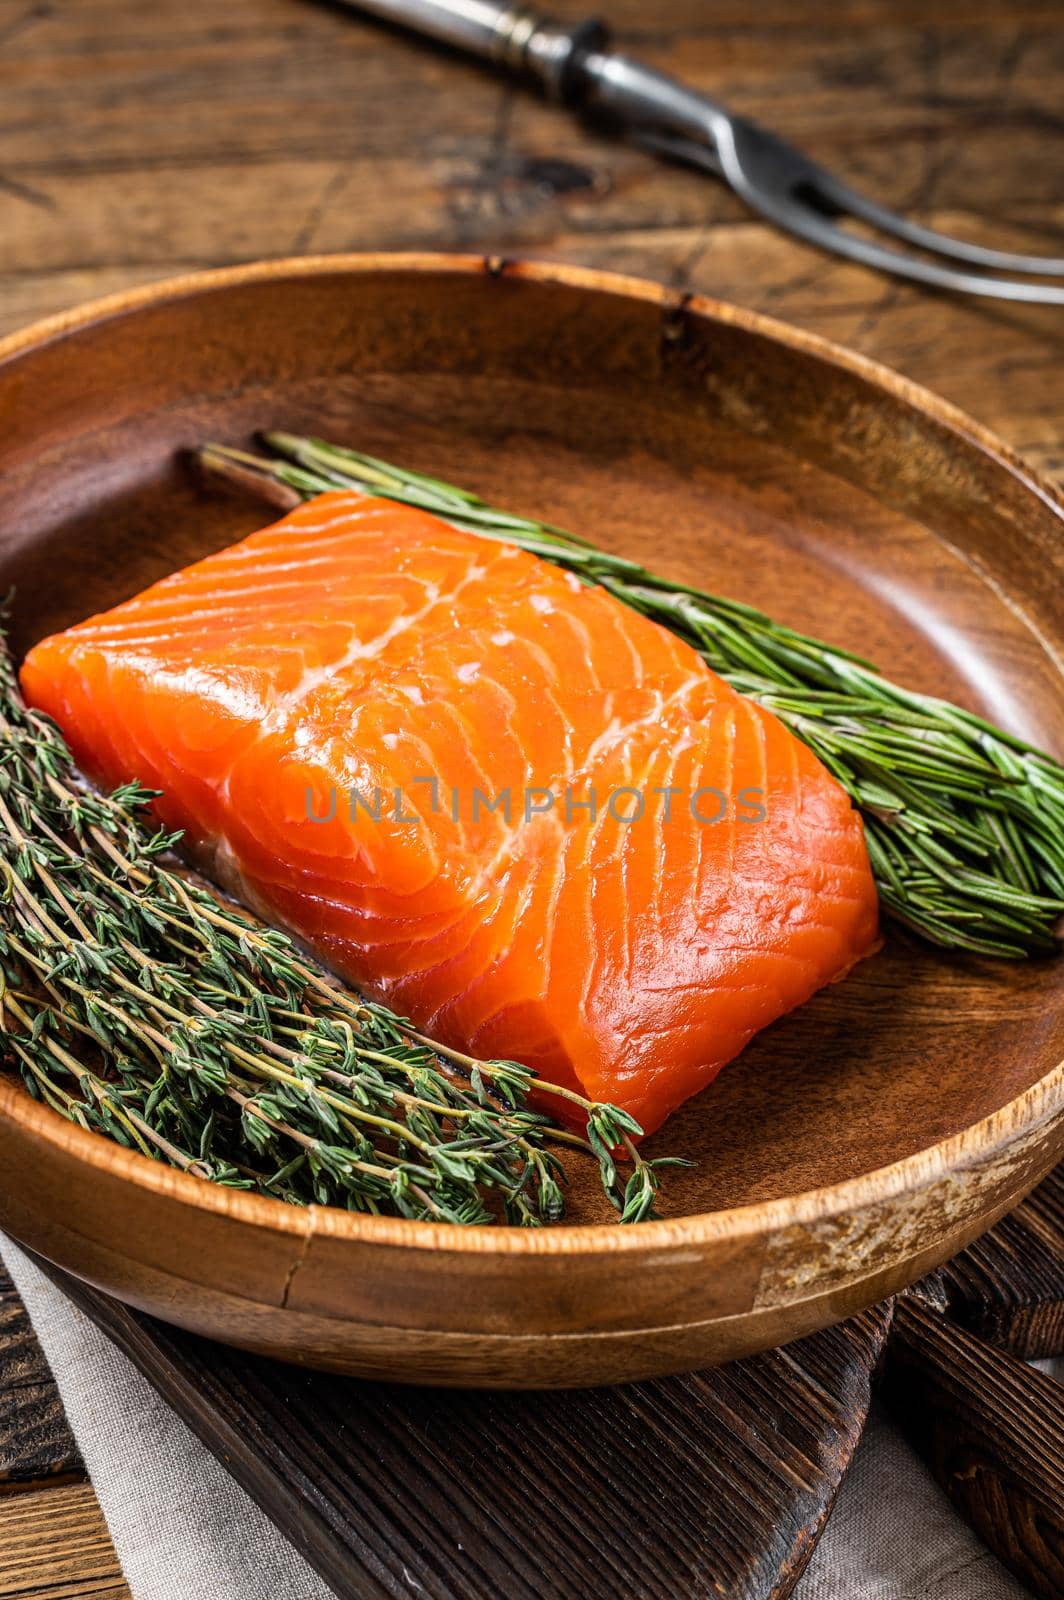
x: 286, y: 693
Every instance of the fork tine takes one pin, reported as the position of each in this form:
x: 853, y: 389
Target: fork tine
x: 782, y: 201
x: 855, y: 204
x: 808, y: 224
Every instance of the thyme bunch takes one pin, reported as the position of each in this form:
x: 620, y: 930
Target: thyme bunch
x: 964, y: 823
x: 137, y: 1003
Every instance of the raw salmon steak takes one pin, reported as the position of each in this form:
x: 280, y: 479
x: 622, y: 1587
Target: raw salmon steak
x: 336, y: 710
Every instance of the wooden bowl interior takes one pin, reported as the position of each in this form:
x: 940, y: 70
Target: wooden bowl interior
x: 698, y: 444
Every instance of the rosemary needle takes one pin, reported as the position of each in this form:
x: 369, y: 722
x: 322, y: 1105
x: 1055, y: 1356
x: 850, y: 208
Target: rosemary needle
x: 137, y: 1003
x: 964, y: 822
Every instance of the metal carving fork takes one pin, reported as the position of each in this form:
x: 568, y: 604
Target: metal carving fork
x: 577, y: 66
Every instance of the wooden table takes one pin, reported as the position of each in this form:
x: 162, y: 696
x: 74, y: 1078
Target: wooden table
x: 141, y: 141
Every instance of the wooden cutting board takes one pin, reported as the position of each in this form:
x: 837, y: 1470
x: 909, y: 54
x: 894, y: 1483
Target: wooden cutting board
x: 714, y: 1486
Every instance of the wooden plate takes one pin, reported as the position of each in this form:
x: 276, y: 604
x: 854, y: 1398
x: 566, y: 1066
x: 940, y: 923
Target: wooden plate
x: 857, y: 1143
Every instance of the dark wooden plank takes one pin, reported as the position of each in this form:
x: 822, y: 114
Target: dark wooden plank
x: 992, y: 1431
x: 35, y: 1442
x: 715, y: 1484
x: 1009, y: 1285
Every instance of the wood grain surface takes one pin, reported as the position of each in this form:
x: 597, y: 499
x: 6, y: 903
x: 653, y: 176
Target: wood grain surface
x: 1009, y: 1286
x: 36, y: 1445
x: 139, y: 141
x: 54, y: 1545
x: 491, y: 1494
x: 991, y: 1429
x: 708, y: 1485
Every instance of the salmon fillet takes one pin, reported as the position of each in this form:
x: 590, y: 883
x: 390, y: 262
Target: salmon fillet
x: 287, y: 694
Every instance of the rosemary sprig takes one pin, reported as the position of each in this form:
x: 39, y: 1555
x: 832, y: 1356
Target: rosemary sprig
x: 964, y: 822
x: 137, y: 1003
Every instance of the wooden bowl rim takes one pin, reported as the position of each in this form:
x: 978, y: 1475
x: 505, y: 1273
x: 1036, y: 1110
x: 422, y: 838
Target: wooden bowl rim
x: 912, y: 1173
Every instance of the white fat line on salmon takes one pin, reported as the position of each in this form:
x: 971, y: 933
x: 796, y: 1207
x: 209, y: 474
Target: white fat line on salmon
x: 625, y: 805
x: 618, y: 731
x: 313, y: 677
